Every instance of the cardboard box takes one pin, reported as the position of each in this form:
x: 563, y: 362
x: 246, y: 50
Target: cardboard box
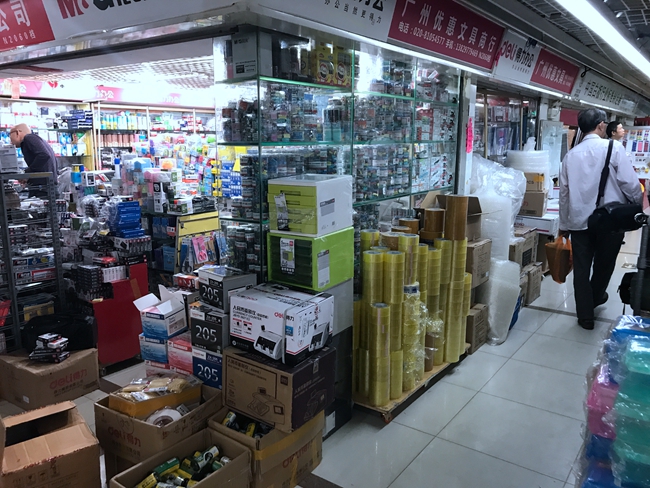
x: 179, y: 351
x: 477, y: 327
x: 549, y: 224
x: 49, y: 448
x: 218, y: 283
x: 270, y: 318
x: 162, y: 317
x: 235, y: 474
x: 478, y: 260
x: 535, y: 275
x: 523, y: 248
x: 534, y: 204
x: 30, y: 385
x: 474, y: 212
x: 208, y: 367
x: 541, y: 251
x: 142, y: 409
x: 152, y: 349
x: 135, y: 440
x: 209, y: 327
x: 280, y: 459
x: 276, y: 394
x: 535, y: 181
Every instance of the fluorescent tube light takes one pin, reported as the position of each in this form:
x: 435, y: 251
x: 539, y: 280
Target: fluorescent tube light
x: 586, y: 13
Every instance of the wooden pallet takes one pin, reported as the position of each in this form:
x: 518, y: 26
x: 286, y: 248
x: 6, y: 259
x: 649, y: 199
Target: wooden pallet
x: 389, y: 411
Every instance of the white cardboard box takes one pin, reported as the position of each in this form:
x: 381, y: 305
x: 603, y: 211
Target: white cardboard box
x: 549, y: 224
x: 162, y: 317
x: 261, y: 317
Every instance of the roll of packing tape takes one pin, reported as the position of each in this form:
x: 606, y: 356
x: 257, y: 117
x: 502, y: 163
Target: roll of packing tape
x: 164, y: 417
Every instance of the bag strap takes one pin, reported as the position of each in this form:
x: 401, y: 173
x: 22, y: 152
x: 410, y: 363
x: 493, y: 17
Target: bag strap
x: 605, y: 174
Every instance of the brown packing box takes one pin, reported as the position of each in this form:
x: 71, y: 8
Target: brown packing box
x: 473, y: 229
x: 524, y: 248
x: 235, y: 474
x: 535, y: 181
x: 280, y: 459
x: 51, y: 447
x: 144, y: 409
x: 478, y: 260
x: 135, y: 440
x: 279, y: 395
x: 534, y: 204
x: 535, y: 275
x: 29, y: 384
x: 477, y: 327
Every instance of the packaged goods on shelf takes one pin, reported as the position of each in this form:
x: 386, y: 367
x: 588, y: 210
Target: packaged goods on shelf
x: 380, y: 170
x: 209, y: 327
x: 281, y: 323
x: 310, y: 204
x: 153, y: 349
x: 241, y: 248
x: 218, y: 283
x: 208, y: 367
x: 315, y: 263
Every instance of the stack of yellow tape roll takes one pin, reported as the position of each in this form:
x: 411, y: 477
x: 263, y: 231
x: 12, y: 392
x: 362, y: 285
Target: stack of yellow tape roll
x: 412, y: 224
x: 423, y: 271
x: 396, y: 373
x: 411, y: 336
x: 369, y: 238
x: 380, y: 248
x: 455, y: 321
x: 458, y: 260
x: 356, y: 346
x: 390, y: 240
x: 378, y: 321
x: 401, y: 229
x: 408, y: 244
x: 373, y: 276
x: 467, y: 299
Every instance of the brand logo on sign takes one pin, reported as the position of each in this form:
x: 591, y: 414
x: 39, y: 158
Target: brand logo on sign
x: 73, y: 8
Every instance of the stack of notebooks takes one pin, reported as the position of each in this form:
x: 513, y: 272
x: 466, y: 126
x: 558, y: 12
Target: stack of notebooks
x: 50, y: 348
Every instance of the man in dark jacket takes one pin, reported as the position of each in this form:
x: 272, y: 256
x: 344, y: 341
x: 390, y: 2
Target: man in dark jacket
x: 38, y: 155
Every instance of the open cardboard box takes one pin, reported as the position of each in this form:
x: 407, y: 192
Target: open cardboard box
x: 235, y: 474
x: 49, y: 447
x: 280, y: 459
x: 135, y: 440
x: 474, y: 212
x: 162, y: 317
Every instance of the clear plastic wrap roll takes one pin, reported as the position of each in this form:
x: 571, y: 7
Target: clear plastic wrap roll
x: 396, y: 374
x: 393, y: 277
x: 455, y: 321
x: 411, y: 336
x: 445, y: 246
x: 373, y: 276
x: 438, y: 332
x: 458, y: 260
x: 408, y: 244
x: 444, y: 297
x: 429, y: 356
x: 423, y: 270
x: 435, y: 268
x: 501, y: 293
x: 433, y: 303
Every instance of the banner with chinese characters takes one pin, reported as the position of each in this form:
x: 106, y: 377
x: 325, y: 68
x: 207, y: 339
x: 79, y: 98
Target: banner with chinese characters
x: 368, y: 18
x: 23, y: 23
x: 447, y: 28
x: 516, y: 58
x: 554, y: 72
x: 593, y: 88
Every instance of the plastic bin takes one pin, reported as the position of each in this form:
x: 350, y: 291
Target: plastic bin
x: 599, y: 402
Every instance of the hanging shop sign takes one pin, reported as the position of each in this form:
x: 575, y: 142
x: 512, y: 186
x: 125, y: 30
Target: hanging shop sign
x: 447, y: 28
x: 76, y: 18
x: 554, y: 72
x: 593, y: 88
x: 23, y: 23
x: 516, y: 58
x: 368, y: 18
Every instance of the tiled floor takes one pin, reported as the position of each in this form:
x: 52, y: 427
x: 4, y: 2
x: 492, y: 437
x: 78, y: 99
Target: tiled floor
x: 509, y: 416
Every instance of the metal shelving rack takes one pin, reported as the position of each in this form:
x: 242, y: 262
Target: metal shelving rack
x: 9, y: 289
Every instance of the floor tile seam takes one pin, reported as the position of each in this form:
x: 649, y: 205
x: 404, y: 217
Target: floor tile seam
x: 532, y: 406
x: 552, y: 369
x: 572, y: 340
x: 412, y: 460
x: 515, y: 352
x: 545, y: 309
x: 556, y: 369
x: 503, y: 460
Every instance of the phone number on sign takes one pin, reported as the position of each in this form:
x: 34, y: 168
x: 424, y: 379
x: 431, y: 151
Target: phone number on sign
x: 428, y: 36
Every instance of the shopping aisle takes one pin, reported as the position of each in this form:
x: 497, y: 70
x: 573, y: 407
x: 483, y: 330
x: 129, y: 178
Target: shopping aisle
x: 509, y: 416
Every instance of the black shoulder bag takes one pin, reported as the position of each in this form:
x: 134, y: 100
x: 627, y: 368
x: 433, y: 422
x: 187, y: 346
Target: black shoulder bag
x: 613, y: 217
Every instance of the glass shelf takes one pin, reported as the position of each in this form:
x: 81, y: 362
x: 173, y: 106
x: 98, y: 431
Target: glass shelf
x: 307, y: 84
x: 121, y: 131
x: 244, y: 221
x: 384, y: 95
x: 239, y: 143
x: 436, y: 102
x: 303, y: 144
x: 424, y: 192
x: 434, y: 142
x: 381, y: 142
x: 382, y: 199
x: 183, y: 131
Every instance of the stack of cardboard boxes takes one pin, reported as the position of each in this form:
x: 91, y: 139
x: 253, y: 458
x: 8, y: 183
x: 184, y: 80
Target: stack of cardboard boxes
x: 536, y: 196
x: 523, y: 250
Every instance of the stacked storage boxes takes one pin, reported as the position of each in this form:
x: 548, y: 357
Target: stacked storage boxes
x: 209, y: 320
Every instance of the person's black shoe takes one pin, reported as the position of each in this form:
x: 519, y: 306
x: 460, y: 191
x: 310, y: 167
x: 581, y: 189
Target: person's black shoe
x: 602, y: 300
x: 587, y: 324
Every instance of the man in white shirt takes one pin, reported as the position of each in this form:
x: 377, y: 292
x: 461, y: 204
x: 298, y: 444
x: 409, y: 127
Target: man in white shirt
x: 579, y: 179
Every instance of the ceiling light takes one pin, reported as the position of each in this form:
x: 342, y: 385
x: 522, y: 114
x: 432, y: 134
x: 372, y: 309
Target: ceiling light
x: 619, y: 14
x: 594, y: 20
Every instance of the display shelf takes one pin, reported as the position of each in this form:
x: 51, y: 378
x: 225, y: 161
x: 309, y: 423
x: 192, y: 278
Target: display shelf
x: 381, y: 142
x: 424, y: 192
x: 384, y: 95
x: 389, y: 411
x: 303, y: 144
x: 361, y: 203
x: 437, y: 102
x: 244, y: 221
x: 333, y: 88
x: 239, y: 143
x: 434, y: 142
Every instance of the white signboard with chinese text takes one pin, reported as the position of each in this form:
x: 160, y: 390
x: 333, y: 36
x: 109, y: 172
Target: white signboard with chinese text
x: 516, y: 58
x: 596, y: 89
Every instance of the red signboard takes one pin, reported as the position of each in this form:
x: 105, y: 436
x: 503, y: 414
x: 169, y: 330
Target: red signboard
x: 23, y: 23
x: 553, y: 72
x: 447, y: 28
